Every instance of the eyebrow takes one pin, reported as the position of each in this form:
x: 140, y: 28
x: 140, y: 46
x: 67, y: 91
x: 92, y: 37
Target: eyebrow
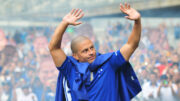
x: 92, y: 46
x: 86, y: 49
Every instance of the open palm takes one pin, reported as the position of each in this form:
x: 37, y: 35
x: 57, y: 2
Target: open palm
x: 72, y: 17
x: 132, y: 14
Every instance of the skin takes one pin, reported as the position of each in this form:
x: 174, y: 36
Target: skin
x: 72, y: 18
x: 47, y: 74
x: 85, y: 51
x: 153, y: 78
x: 3, y: 40
x: 40, y: 45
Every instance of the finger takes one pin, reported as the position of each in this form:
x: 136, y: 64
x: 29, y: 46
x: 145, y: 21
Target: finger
x: 80, y: 16
x: 121, y: 7
x: 127, y: 17
x: 125, y: 5
x: 129, y: 6
x: 78, y: 23
x: 78, y: 13
x: 72, y: 11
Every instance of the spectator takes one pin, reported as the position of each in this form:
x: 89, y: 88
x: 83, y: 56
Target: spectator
x: 6, y: 94
x: 27, y: 95
x: 166, y: 90
x: 150, y: 94
x: 26, y: 50
x: 47, y: 74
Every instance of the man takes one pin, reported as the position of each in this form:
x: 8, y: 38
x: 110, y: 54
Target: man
x: 150, y: 88
x: 3, y: 40
x: 27, y: 95
x: 92, y: 76
x: 166, y: 90
x: 40, y: 46
x: 6, y: 93
x: 47, y: 74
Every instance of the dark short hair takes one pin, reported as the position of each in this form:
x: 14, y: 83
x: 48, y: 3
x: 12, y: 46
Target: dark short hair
x: 164, y: 77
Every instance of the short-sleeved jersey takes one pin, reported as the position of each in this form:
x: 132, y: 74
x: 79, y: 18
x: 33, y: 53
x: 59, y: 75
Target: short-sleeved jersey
x: 105, y: 85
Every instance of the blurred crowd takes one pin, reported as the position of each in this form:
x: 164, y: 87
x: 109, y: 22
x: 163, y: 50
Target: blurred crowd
x: 27, y: 72
x: 156, y: 62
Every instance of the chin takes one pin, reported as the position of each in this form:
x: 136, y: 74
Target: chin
x: 91, y: 61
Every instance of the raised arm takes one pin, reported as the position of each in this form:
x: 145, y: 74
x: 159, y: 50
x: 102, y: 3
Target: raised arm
x: 55, y: 49
x: 133, y: 40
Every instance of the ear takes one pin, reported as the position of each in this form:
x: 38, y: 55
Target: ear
x: 75, y: 56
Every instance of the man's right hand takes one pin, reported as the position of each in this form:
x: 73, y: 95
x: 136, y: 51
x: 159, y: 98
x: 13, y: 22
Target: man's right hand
x: 56, y: 51
x: 72, y: 17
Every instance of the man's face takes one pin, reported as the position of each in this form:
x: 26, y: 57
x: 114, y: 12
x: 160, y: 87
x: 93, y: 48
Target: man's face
x: 26, y: 91
x: 3, y: 40
x: 85, y: 51
x: 47, y: 72
x: 153, y: 78
x: 40, y: 45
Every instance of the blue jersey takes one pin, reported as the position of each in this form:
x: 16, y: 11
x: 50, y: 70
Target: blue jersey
x: 114, y: 79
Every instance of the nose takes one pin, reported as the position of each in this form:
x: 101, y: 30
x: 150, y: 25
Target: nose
x: 91, y: 52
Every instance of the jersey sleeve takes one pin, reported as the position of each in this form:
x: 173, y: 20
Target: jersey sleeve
x: 117, y: 60
x: 65, y: 68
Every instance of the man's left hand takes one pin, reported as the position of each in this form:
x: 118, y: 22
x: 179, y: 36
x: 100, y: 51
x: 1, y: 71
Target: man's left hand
x: 132, y: 14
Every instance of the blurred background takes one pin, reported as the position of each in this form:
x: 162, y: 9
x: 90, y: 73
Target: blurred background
x: 27, y: 72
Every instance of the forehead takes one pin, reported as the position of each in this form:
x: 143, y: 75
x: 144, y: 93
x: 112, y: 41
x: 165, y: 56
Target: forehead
x: 84, y: 44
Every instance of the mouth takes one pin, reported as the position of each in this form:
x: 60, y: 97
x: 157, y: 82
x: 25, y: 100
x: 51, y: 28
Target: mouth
x: 91, y: 58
